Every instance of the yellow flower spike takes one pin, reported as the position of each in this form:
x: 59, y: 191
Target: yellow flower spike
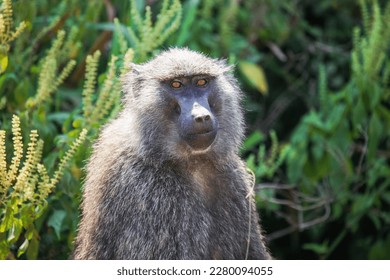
x: 18, y: 150
x: 3, y: 163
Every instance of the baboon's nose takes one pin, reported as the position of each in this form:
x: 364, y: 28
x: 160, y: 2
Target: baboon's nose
x: 201, y: 120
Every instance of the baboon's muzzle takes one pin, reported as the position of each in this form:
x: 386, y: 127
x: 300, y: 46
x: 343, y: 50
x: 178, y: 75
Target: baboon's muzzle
x: 199, y: 126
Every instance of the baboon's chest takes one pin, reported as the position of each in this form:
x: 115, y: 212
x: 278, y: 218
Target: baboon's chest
x: 227, y: 206
x: 219, y: 189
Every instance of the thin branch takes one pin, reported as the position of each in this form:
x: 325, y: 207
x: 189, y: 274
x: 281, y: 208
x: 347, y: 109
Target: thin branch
x: 323, y: 218
x: 277, y: 51
x: 281, y: 233
x: 297, y: 201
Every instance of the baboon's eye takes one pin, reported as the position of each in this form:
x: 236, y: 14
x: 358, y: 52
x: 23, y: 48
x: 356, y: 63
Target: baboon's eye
x: 176, y: 84
x: 201, y: 82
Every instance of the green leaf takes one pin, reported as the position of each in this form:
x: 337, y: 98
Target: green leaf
x: 29, y: 232
x: 296, y: 159
x: 317, y: 169
x: 361, y: 204
x: 335, y: 117
x: 358, y: 113
x: 78, y: 123
x: 15, y: 231
x: 250, y: 162
x: 375, y: 130
x: 6, y: 223
x: 23, y: 248
x: 3, y: 62
x: 255, y: 75
x: 375, y: 220
x: 314, y: 120
x: 56, y: 220
x: 32, y: 251
x: 380, y: 250
x: 21, y: 91
x: 4, y: 249
x: 375, y: 97
x: 319, y: 249
x: 384, y: 114
x: 190, y: 8
x: 252, y: 140
x: 337, y: 210
x: 27, y: 215
x: 317, y: 148
x: 59, y: 117
x: 4, y: 79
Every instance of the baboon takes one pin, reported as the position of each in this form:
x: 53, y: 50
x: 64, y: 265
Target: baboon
x: 165, y: 180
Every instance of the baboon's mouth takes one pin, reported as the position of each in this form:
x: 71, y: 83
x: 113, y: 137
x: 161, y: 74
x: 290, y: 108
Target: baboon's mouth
x: 202, y: 133
x: 201, y: 141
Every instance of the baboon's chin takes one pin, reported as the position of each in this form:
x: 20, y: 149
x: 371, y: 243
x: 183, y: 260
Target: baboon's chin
x: 201, y: 142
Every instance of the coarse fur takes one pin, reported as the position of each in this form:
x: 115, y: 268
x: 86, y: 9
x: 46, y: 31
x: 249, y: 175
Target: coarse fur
x: 148, y: 195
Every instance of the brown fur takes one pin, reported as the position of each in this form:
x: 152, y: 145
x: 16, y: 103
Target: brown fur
x: 148, y: 195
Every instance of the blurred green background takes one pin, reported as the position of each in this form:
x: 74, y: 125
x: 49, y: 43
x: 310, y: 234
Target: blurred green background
x: 316, y: 77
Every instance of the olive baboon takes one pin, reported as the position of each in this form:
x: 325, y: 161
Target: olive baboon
x: 165, y: 180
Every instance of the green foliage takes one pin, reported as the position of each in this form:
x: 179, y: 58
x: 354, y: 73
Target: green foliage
x: 329, y: 180
x: 264, y: 166
x: 49, y: 78
x: 24, y: 192
x: 321, y: 159
x: 7, y: 35
x: 255, y: 74
x: 337, y: 153
x: 47, y: 96
x: 145, y: 36
x: 107, y: 100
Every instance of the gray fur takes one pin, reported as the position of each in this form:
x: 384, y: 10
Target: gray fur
x: 149, y: 196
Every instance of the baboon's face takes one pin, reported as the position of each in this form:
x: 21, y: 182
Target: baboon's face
x: 192, y: 107
x: 184, y: 105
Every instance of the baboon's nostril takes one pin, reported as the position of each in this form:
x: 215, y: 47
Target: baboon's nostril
x: 202, y: 118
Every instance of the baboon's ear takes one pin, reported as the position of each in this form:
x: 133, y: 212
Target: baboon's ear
x: 129, y: 80
x: 130, y: 76
x: 136, y: 69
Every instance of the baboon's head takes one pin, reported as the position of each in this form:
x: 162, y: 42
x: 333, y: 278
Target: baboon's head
x: 186, y: 104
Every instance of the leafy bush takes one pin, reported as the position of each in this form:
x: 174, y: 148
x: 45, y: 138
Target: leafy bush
x: 337, y: 164
x: 24, y: 191
x: 317, y: 111
x: 31, y: 220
